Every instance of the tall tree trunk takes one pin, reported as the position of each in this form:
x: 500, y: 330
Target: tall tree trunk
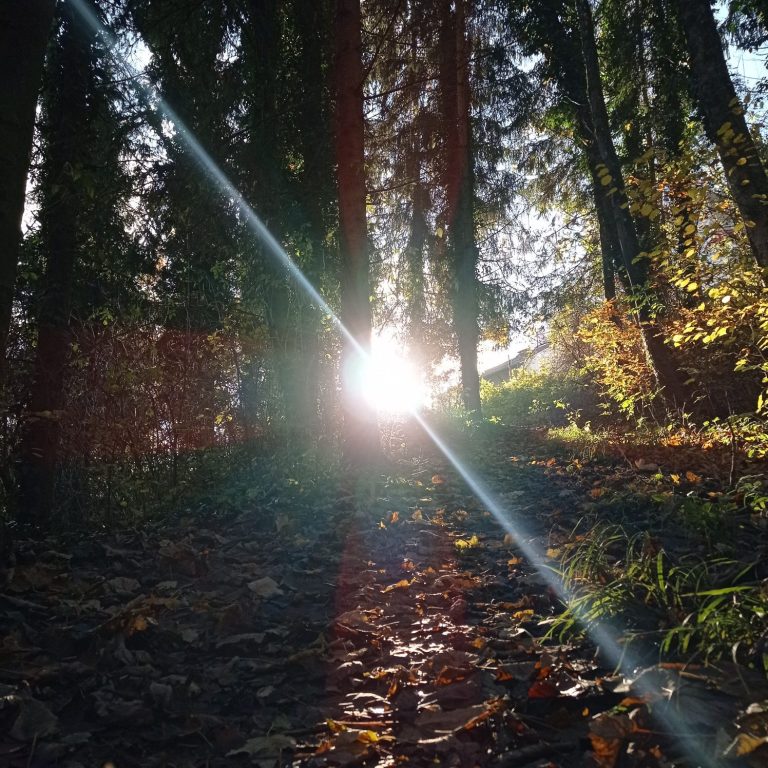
x: 316, y: 189
x: 414, y: 258
x: 360, y: 434
x: 726, y: 125
x: 24, y: 31
x: 460, y: 195
x: 611, y: 178
x: 610, y: 253
x: 71, y: 79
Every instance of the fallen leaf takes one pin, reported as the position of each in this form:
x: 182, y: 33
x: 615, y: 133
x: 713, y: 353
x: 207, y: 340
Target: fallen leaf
x: 266, y: 587
x: 554, y: 552
x: 745, y: 744
x: 33, y: 721
x: 335, y: 727
x: 542, y: 689
x: 402, y: 584
x: 122, y: 585
x: 264, y: 746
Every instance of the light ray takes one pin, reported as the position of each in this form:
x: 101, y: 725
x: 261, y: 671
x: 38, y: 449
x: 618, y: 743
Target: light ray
x: 601, y: 634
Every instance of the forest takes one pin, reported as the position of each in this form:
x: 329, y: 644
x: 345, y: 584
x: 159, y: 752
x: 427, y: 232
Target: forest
x: 384, y: 382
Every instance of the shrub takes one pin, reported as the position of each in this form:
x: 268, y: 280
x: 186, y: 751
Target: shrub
x: 539, y: 399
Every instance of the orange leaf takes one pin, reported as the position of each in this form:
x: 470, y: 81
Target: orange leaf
x: 394, y: 517
x: 402, y: 584
x: 542, y: 689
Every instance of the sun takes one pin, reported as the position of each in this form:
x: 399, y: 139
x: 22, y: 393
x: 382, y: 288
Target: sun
x: 390, y: 383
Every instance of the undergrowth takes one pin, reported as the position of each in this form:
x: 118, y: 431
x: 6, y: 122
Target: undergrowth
x: 702, y: 607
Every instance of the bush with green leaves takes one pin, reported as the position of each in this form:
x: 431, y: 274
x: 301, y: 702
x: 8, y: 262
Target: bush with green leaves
x: 539, y: 399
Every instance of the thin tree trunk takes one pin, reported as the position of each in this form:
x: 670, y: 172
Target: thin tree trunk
x: 726, y: 125
x: 414, y: 256
x: 360, y: 434
x: 70, y: 81
x: 24, y: 31
x: 460, y: 196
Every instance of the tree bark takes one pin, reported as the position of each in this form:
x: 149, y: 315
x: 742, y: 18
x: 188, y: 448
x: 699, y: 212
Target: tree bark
x: 360, y: 433
x: 726, y: 126
x: 71, y: 79
x: 24, y: 31
x: 459, y: 193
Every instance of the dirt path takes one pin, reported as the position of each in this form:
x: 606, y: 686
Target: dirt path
x: 406, y: 632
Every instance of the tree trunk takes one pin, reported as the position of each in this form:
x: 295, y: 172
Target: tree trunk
x: 726, y: 125
x: 414, y: 258
x: 610, y: 176
x: 459, y: 195
x: 24, y: 31
x: 317, y: 187
x: 360, y: 433
x: 71, y: 73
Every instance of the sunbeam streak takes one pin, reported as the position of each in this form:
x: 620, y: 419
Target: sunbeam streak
x: 605, y: 637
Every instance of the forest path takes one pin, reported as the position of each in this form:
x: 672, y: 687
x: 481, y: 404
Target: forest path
x: 402, y: 630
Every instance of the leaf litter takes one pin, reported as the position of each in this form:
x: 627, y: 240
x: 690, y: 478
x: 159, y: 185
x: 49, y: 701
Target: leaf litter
x: 408, y: 631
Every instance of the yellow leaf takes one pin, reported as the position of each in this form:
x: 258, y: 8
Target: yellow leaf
x: 606, y: 180
x: 335, y: 727
x: 675, y: 479
x: 402, y: 584
x: 509, y: 540
x: 417, y: 515
x: 746, y: 743
x: 514, y: 561
x: 368, y: 737
x: 461, y: 544
x: 554, y: 552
